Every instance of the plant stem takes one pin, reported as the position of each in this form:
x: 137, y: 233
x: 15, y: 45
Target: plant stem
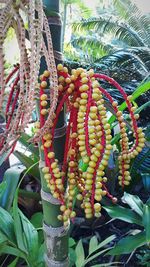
x: 56, y: 237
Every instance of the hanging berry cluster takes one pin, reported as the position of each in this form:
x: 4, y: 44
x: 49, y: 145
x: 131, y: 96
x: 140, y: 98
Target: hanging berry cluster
x: 22, y: 80
x: 88, y: 140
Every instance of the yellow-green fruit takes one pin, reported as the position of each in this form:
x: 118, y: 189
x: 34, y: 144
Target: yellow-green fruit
x: 97, y: 207
x: 53, y: 165
x: 88, y: 215
x: 97, y: 214
x: 88, y: 210
x: 47, y: 144
x: 47, y: 176
x: 43, y: 111
x: 79, y: 197
x: 60, y: 67
x: 51, y: 155
x: 73, y: 214
x: 45, y: 169
x: 43, y: 103
x: 47, y: 136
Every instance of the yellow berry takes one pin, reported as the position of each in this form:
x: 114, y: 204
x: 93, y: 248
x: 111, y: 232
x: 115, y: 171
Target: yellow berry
x: 43, y: 97
x: 46, y: 73
x: 54, y: 165
x: 43, y: 84
x: 59, y: 67
x: 44, y: 111
x: 43, y: 103
x: 47, y: 144
x: 47, y: 176
x: 45, y: 169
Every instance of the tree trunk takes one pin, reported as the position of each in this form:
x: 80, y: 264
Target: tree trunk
x: 56, y: 237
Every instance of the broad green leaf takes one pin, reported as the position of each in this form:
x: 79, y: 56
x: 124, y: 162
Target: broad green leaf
x: 3, y: 186
x: 123, y: 214
x: 3, y: 239
x: 93, y: 244
x: 7, y: 225
x: 72, y: 257
x: 134, y: 202
x: 71, y: 242
x: 40, y: 257
x: 18, y: 224
x: 80, y: 254
x: 13, y: 251
x: 37, y: 219
x: 31, y: 237
x: 13, y: 263
x: 11, y: 178
x: 28, y: 162
x: 146, y: 221
x: 24, y: 140
x: 128, y: 244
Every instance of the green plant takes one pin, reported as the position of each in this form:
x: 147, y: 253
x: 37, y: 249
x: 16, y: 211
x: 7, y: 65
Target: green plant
x: 19, y: 238
x: 78, y: 255
x: 139, y: 214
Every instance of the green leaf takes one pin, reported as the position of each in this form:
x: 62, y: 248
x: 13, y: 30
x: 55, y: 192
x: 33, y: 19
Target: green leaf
x: 128, y: 244
x: 13, y: 251
x: 40, y: 260
x: 31, y: 237
x: 4, y: 156
x: 146, y: 221
x: 72, y: 257
x: 7, y: 225
x: 71, y: 242
x: 95, y: 256
x: 3, y: 239
x: 102, y: 244
x: 83, y: 166
x: 123, y: 214
x: 141, y: 89
x: 80, y: 254
x: 106, y: 241
x: 24, y: 140
x: 13, y: 263
x: 18, y: 224
x: 11, y: 178
x: 134, y: 202
x: 37, y: 219
x: 144, y: 106
x: 93, y: 244
x: 3, y: 186
x: 28, y: 162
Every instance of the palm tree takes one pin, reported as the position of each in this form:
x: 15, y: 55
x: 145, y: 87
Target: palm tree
x: 56, y: 237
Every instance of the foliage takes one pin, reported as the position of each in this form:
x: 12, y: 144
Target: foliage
x: 78, y: 254
x: 139, y: 214
x: 114, y: 42
x: 19, y: 237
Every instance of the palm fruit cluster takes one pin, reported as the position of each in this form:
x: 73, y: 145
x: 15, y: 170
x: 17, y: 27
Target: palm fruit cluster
x: 88, y: 141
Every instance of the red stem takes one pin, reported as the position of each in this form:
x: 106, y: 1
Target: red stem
x: 11, y: 94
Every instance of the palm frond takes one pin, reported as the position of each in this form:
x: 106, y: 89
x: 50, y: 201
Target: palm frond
x: 93, y: 46
x: 128, y: 11
x: 110, y: 25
